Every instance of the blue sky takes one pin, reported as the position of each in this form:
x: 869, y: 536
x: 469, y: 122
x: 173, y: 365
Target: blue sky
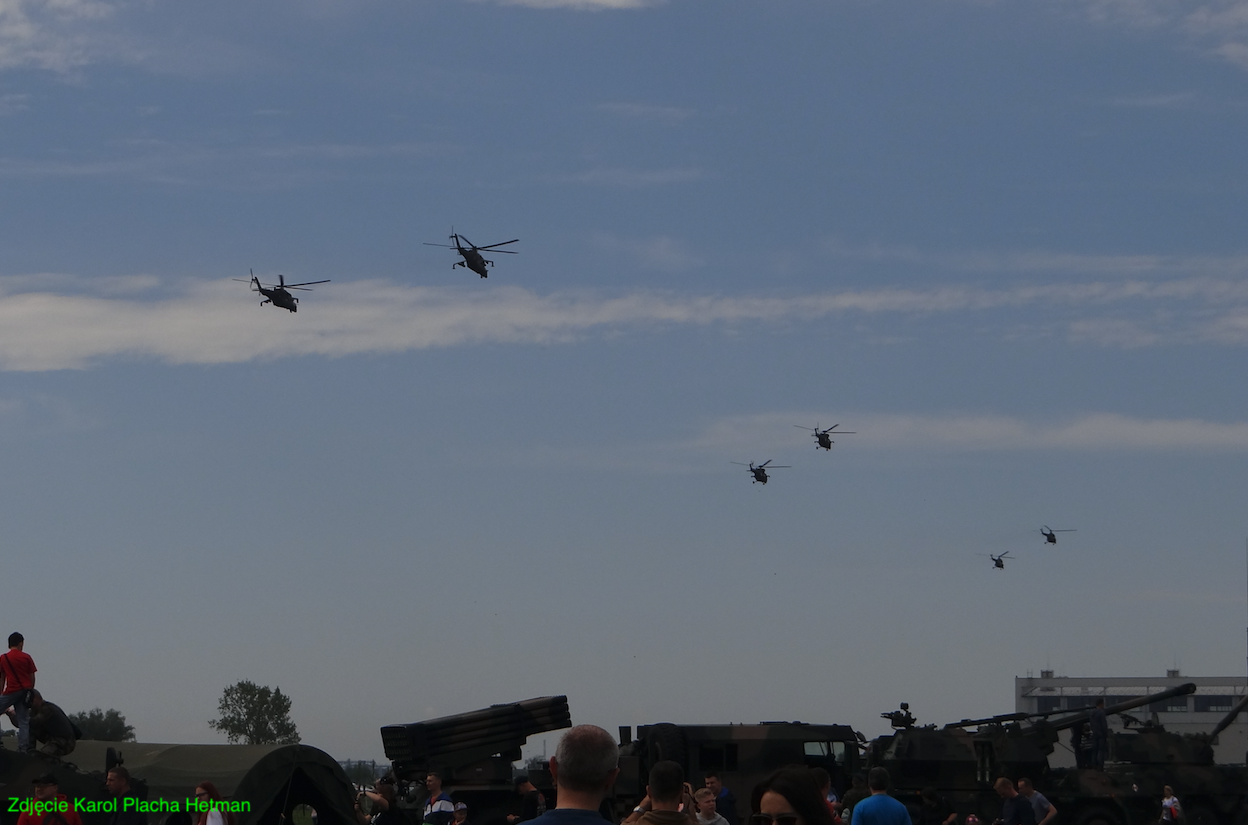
x: 1002, y: 242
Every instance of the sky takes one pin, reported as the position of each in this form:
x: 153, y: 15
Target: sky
x: 1002, y: 243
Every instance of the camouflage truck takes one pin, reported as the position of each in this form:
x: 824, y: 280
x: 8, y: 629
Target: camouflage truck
x: 742, y: 755
x: 961, y: 761
x: 473, y: 753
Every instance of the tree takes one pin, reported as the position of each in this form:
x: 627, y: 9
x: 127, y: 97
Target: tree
x: 256, y: 715
x: 104, y: 725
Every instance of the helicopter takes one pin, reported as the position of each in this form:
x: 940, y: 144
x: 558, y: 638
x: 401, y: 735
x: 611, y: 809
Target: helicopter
x: 1050, y: 536
x: 472, y: 253
x: 998, y: 562
x: 277, y: 295
x: 760, y: 472
x: 823, y: 438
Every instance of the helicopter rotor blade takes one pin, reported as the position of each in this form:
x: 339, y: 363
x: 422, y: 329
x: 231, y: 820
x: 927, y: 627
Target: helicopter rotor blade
x: 305, y: 283
x: 800, y: 427
x: 504, y: 243
x: 497, y: 251
x: 443, y: 245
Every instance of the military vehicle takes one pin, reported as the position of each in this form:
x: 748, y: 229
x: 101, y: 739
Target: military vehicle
x: 823, y: 438
x: 760, y: 472
x: 276, y: 294
x: 742, y: 755
x: 273, y: 779
x: 471, y: 254
x: 1143, y: 759
x: 473, y: 753
x: 963, y: 759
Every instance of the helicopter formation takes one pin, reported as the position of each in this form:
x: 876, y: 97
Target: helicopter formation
x: 279, y: 296
x: 823, y: 440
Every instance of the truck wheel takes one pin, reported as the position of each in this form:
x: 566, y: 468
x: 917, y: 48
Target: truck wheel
x: 1097, y: 816
x: 667, y: 741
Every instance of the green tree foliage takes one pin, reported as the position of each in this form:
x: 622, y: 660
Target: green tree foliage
x: 255, y: 715
x: 105, y: 725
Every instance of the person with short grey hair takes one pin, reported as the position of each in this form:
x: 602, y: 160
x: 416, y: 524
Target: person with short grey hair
x: 584, y: 767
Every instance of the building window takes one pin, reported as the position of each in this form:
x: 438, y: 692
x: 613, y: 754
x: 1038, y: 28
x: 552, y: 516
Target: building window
x: 1048, y: 704
x: 1175, y: 704
x: 1212, y: 704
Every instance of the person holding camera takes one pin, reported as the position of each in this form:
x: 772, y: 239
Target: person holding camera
x: 379, y: 806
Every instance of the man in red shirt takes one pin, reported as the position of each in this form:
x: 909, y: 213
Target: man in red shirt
x: 17, y: 670
x: 53, y: 807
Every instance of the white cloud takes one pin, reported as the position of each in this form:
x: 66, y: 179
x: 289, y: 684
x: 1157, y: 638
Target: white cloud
x: 49, y: 34
x: 216, y: 322
x: 1217, y: 26
x: 661, y: 252
x: 642, y: 111
x: 980, y: 433
x: 590, y: 5
x: 635, y: 178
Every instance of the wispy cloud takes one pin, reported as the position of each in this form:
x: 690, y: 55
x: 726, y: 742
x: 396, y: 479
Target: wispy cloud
x: 662, y: 252
x: 1219, y: 27
x: 979, y: 433
x: 43, y: 328
x: 59, y: 35
x: 642, y: 111
x: 636, y: 178
x: 1045, y: 261
x: 586, y: 5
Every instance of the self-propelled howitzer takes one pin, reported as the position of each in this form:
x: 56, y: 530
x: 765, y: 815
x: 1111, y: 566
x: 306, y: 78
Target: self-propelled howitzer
x: 963, y: 759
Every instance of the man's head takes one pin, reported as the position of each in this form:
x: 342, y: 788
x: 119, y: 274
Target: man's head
x: 667, y: 780
x: 1025, y: 787
x: 45, y: 787
x: 1100, y: 703
x: 705, y: 798
x: 16, y: 640
x: 1168, y: 791
x: 523, y: 785
x: 858, y: 781
x: 1004, y: 787
x: 36, y: 701
x: 586, y: 761
x: 461, y: 812
x: 712, y: 782
x: 877, y: 780
x: 433, y: 783
x: 118, y: 781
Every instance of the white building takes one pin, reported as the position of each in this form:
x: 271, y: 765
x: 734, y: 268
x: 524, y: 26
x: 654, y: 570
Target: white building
x: 1197, y: 713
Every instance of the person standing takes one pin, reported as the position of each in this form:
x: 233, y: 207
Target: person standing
x: 1015, y: 810
x: 584, y: 767
x: 1100, y: 735
x: 532, y: 802
x: 439, y: 809
x: 725, y: 802
x: 668, y: 800
x: 47, y: 792
x: 1042, y: 809
x: 118, y: 785
x: 1171, y: 811
x: 879, y: 808
x: 707, y: 814
x: 17, y: 670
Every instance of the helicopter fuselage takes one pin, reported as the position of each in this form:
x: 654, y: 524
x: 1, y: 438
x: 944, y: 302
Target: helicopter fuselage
x: 474, y: 260
x: 279, y: 298
x: 825, y: 441
x: 760, y: 475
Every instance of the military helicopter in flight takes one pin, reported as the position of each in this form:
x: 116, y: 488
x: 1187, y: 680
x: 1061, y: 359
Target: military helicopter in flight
x: 823, y: 438
x: 472, y: 258
x: 760, y: 472
x: 277, y: 295
x: 1050, y: 536
x: 998, y: 562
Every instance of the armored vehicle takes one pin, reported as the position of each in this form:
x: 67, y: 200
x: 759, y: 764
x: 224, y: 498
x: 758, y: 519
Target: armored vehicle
x: 742, y: 755
x: 963, y: 759
x: 473, y: 753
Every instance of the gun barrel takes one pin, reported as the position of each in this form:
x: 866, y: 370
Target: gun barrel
x: 1082, y: 716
